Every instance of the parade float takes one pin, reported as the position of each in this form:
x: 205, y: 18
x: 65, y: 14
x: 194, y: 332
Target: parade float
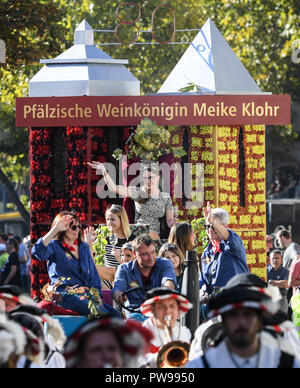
x: 84, y: 104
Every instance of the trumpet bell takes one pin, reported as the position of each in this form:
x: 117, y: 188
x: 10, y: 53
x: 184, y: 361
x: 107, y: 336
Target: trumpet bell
x: 174, y: 354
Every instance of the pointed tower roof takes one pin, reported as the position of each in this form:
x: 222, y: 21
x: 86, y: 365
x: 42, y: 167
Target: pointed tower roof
x: 84, y: 69
x: 211, y: 64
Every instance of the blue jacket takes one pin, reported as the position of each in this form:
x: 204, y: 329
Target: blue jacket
x: 217, y: 271
x: 60, y: 263
x: 129, y: 276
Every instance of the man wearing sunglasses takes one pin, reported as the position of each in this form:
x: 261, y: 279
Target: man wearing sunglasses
x: 223, y: 258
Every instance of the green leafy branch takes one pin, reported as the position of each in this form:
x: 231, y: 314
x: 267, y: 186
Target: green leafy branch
x: 199, y: 229
x: 149, y: 142
x: 100, y: 244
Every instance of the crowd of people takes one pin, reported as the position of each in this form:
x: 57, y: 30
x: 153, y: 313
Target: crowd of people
x: 132, y: 306
x: 285, y: 184
x: 245, y: 321
x: 283, y: 257
x: 15, y: 261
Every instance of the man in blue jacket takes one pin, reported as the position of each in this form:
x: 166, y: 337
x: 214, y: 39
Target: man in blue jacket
x: 146, y: 271
x: 225, y: 255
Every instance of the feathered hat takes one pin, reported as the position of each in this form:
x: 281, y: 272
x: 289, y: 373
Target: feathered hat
x: 54, y: 329
x: 12, y: 341
x: 17, y: 294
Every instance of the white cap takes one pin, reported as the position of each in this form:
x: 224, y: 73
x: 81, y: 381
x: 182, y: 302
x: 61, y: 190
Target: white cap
x: 2, y: 247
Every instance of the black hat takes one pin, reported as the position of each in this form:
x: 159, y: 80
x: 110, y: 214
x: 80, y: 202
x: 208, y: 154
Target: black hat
x: 244, y: 290
x: 32, y: 310
x: 17, y: 294
x: 246, y: 280
x: 13, y: 290
x: 160, y: 291
x: 54, y: 327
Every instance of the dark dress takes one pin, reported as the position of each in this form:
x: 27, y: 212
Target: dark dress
x: 12, y: 260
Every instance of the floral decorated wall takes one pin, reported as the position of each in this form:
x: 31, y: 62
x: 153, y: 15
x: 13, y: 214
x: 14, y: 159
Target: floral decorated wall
x: 233, y: 161
x: 78, y: 194
x: 234, y: 179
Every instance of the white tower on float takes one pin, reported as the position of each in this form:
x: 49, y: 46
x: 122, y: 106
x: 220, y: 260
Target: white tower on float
x: 84, y: 70
x: 211, y: 65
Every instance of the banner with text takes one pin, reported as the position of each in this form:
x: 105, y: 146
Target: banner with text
x: 163, y: 109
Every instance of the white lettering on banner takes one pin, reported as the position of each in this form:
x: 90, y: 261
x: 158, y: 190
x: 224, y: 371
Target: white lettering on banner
x: 220, y: 109
x: 144, y: 110
x: 251, y: 110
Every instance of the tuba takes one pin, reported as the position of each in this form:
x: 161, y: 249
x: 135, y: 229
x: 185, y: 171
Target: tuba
x: 174, y: 354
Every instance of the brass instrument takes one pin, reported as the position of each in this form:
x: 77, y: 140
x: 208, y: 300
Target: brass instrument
x: 174, y: 354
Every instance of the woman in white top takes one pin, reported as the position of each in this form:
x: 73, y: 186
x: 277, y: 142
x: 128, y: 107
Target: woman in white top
x: 151, y: 204
x: 118, y: 225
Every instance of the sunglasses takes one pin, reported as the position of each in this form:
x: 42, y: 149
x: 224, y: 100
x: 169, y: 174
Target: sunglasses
x: 75, y: 227
x: 207, y: 227
x: 169, y: 246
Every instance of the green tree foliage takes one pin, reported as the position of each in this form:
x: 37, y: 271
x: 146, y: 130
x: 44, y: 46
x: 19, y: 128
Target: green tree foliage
x: 261, y: 33
x: 30, y: 29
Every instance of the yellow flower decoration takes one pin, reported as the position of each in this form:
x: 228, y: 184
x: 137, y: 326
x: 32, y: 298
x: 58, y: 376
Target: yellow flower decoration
x: 233, y: 158
x: 194, y: 129
x: 209, y: 195
x: 251, y: 138
x: 175, y: 139
x: 196, y: 142
x: 205, y: 130
x: 207, y: 156
x: 222, y: 146
x: 233, y: 198
x: 209, y: 169
x: 195, y: 156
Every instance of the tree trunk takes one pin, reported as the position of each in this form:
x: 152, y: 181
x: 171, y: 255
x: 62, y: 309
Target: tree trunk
x: 15, y: 198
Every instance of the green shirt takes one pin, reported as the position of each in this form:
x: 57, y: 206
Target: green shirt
x: 3, y: 259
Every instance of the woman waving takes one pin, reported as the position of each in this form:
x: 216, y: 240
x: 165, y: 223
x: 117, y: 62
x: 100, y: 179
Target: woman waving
x: 70, y: 258
x: 151, y: 204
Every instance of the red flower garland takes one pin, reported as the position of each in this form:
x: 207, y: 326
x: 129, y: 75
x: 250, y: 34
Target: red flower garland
x: 45, y: 202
